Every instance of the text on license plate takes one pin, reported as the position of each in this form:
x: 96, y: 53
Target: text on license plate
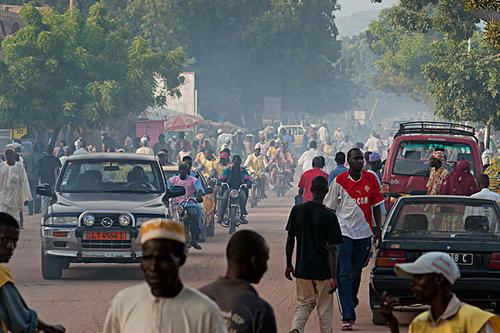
x: 106, y: 235
x: 462, y: 258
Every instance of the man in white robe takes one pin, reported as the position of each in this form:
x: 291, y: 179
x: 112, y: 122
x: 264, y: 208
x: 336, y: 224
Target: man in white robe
x: 14, y: 186
x: 163, y: 304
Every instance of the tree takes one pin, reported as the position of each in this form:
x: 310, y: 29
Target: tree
x: 60, y: 69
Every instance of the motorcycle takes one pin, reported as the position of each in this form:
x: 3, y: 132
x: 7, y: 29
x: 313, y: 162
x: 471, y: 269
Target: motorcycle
x: 282, y: 180
x: 232, y: 214
x: 179, y: 212
x: 257, y: 192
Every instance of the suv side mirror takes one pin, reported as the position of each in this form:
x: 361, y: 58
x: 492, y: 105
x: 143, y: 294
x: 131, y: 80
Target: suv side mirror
x: 45, y: 190
x: 174, y: 192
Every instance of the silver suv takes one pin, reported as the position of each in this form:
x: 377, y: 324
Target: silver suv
x: 97, y: 207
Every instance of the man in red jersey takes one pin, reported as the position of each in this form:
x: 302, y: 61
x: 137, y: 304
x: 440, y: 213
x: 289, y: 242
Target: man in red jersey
x: 305, y: 182
x: 353, y: 195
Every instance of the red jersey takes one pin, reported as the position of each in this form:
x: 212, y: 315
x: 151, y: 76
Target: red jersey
x: 306, y: 181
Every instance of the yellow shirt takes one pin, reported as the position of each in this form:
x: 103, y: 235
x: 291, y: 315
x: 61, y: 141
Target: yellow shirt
x: 256, y: 165
x: 5, y: 277
x: 271, y: 152
x: 493, y: 172
x: 458, y: 317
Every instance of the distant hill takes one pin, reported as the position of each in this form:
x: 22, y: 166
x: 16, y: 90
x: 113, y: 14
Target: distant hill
x: 355, y: 23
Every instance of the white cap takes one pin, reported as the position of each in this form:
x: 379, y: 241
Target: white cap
x: 431, y: 262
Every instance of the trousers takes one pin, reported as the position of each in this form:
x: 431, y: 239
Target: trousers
x: 313, y: 294
x: 352, y: 255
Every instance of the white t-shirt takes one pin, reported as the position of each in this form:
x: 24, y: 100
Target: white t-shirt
x: 486, y: 194
x: 135, y: 310
x: 305, y: 161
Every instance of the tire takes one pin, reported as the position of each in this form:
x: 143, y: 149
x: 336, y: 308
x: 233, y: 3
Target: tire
x: 232, y: 220
x: 52, y: 267
x: 378, y: 318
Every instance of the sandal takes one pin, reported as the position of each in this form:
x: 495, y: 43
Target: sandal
x: 346, y: 326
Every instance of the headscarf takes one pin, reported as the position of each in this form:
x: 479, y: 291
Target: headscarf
x: 438, y: 155
x: 460, y: 181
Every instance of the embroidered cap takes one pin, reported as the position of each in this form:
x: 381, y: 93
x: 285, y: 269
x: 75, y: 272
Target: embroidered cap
x: 431, y: 262
x: 162, y: 229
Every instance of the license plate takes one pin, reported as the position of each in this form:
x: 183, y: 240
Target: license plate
x: 462, y: 258
x: 106, y: 235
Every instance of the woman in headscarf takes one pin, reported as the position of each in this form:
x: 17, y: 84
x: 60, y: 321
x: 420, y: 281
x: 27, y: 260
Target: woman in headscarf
x: 460, y: 181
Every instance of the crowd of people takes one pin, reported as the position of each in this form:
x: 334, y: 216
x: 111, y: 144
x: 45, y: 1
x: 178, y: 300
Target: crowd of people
x: 337, y: 219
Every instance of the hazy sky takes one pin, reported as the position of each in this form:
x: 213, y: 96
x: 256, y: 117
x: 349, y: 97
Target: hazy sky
x: 352, y: 6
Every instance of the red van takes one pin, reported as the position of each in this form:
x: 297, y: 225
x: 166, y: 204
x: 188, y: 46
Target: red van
x: 407, y: 169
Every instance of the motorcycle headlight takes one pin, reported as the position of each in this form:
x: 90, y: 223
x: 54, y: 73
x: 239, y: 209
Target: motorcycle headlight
x: 124, y: 220
x: 62, y: 220
x: 234, y: 194
x: 88, y: 220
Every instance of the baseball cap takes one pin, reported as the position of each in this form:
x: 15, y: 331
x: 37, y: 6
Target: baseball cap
x: 374, y: 157
x: 431, y: 262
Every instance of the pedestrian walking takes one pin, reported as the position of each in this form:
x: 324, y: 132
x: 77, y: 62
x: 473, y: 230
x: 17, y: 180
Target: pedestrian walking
x: 163, y: 303
x: 340, y: 160
x: 145, y: 149
x: 305, y: 161
x: 438, y: 173
x: 307, y: 178
x: 460, y: 181
x: 15, y: 192
x: 433, y: 275
x: 316, y: 230
x: 15, y: 316
x: 353, y: 195
x: 485, y: 193
x: 32, y: 161
x: 49, y: 169
x: 243, y: 309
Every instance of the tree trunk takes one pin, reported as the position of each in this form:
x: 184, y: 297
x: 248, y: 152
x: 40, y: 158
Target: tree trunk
x: 487, y: 134
x: 53, y: 139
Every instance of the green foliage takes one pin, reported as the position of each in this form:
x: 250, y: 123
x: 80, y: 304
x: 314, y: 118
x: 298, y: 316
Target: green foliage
x: 465, y: 84
x: 61, y: 69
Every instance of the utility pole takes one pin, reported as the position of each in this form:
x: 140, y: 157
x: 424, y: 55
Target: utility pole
x: 71, y: 4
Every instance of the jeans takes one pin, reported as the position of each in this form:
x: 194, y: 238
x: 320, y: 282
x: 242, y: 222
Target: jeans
x: 225, y: 201
x: 313, y: 294
x: 352, y: 256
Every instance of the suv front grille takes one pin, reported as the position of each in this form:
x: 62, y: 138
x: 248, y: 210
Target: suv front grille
x: 100, y: 216
x: 106, y: 244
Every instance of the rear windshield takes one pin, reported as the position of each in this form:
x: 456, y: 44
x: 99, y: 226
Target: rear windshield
x: 412, y: 157
x: 459, y: 220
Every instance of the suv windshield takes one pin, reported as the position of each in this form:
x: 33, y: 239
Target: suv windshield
x: 119, y: 176
x: 412, y: 157
x: 446, y: 220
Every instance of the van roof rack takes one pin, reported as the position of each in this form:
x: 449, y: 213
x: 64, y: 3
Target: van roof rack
x: 435, y: 127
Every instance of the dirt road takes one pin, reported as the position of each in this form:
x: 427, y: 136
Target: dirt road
x: 80, y: 300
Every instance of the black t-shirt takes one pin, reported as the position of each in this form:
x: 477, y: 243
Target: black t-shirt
x: 47, y: 168
x: 242, y: 308
x: 315, y: 227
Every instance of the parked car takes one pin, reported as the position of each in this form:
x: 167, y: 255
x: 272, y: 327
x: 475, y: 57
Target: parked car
x: 209, y: 199
x: 407, y: 168
x: 96, y: 209
x: 466, y: 228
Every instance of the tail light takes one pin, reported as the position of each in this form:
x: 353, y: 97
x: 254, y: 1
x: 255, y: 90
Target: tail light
x: 495, y: 261
x: 389, y: 258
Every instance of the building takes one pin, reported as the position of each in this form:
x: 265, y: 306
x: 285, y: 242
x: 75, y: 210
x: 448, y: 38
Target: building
x: 10, y: 21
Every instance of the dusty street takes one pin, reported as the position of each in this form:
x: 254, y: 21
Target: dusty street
x: 80, y: 300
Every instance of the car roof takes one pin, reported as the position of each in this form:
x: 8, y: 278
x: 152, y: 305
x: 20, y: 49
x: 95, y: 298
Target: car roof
x: 111, y: 156
x: 437, y: 137
x: 436, y: 198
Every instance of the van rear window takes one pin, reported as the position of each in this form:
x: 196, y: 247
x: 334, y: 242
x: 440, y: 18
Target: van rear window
x: 412, y: 157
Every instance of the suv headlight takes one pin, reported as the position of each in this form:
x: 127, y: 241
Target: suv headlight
x: 62, y: 220
x: 124, y: 220
x: 88, y: 220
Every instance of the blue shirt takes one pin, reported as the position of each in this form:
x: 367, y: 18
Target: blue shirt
x: 335, y: 172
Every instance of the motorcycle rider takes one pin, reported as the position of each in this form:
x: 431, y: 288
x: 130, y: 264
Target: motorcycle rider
x: 193, y: 189
x: 256, y: 164
x: 235, y: 176
x: 207, y: 163
x: 284, y: 160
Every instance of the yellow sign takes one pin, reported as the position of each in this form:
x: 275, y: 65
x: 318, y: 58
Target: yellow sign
x: 18, y: 133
